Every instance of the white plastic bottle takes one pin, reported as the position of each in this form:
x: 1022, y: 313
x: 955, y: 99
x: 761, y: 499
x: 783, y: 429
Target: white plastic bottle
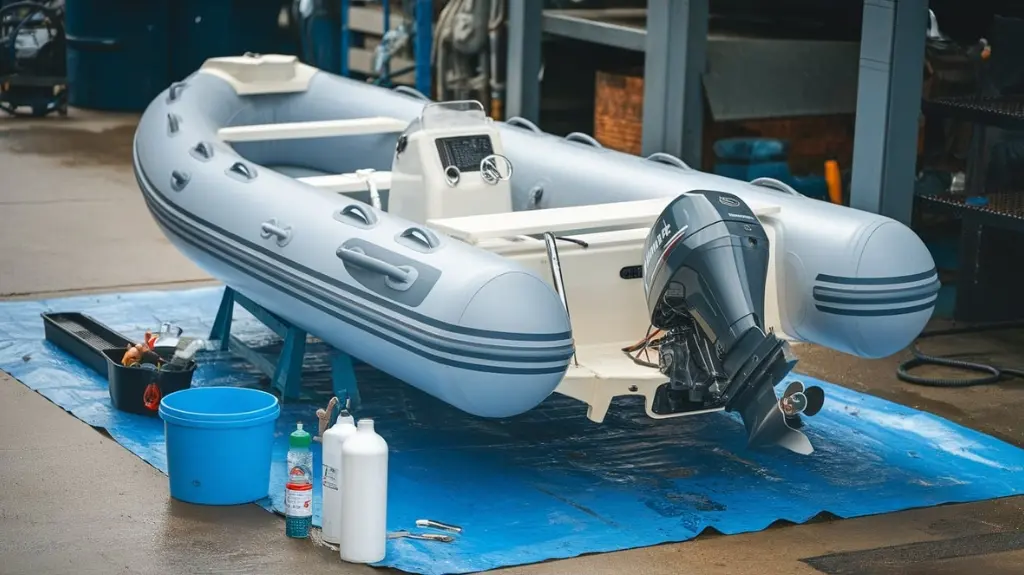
x: 364, y: 495
x: 330, y: 511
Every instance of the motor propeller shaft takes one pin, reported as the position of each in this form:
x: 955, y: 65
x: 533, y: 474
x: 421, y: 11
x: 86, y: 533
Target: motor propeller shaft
x: 768, y: 418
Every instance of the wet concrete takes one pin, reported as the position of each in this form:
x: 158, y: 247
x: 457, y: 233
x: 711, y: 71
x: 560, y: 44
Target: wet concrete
x: 988, y: 408
x: 76, y: 502
x: 111, y: 146
x: 69, y: 202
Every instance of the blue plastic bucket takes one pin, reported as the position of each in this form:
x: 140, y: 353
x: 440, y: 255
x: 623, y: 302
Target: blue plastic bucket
x: 219, y: 444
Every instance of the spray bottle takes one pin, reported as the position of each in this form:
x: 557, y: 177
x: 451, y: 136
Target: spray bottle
x: 298, y: 488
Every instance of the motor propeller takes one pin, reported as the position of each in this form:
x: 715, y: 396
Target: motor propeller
x: 798, y: 400
x: 705, y: 271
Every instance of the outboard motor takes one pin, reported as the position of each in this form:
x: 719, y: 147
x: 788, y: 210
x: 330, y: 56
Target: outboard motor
x: 704, y: 272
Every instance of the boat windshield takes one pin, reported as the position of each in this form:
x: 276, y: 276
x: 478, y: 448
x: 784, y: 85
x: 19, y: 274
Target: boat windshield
x: 448, y: 115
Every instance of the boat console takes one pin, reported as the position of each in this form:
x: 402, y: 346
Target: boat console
x: 449, y: 173
x: 450, y: 162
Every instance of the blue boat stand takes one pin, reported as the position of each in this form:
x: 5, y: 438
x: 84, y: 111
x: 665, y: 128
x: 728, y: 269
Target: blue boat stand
x: 286, y: 373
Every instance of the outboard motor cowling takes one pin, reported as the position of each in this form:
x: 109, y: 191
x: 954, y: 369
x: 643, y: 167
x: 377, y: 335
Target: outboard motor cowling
x: 704, y: 271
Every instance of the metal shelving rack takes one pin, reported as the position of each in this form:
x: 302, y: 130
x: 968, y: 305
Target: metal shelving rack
x: 673, y: 109
x: 988, y: 277
x: 422, y: 39
x: 673, y: 35
x: 624, y: 28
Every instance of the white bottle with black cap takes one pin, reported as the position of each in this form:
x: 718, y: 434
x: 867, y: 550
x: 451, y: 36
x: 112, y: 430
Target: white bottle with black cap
x: 364, y: 495
x: 330, y: 512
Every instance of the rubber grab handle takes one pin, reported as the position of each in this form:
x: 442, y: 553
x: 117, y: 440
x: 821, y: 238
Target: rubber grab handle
x: 521, y: 122
x: 583, y: 139
x: 358, y: 258
x: 410, y: 91
x: 777, y: 185
x: 423, y: 236
x: 175, y: 90
x: 364, y: 216
x: 663, y: 158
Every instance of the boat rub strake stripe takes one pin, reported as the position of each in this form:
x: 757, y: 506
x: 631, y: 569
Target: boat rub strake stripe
x: 922, y: 296
x: 302, y: 290
x: 862, y: 312
x: 893, y: 280
x: 427, y: 320
x: 175, y: 228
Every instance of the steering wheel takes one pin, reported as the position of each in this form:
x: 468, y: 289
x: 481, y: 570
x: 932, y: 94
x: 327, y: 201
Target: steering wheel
x: 495, y: 168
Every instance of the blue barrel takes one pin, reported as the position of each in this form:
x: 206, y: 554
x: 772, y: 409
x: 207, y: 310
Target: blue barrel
x: 201, y: 29
x: 321, y: 42
x: 750, y: 158
x: 219, y: 444
x: 117, y: 53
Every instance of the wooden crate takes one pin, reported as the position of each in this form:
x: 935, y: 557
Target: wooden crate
x: 618, y: 124
x: 619, y: 111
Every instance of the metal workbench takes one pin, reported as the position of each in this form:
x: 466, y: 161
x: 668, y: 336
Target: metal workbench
x: 673, y: 35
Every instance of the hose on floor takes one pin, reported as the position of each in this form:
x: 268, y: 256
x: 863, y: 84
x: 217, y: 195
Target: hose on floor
x: 992, y: 373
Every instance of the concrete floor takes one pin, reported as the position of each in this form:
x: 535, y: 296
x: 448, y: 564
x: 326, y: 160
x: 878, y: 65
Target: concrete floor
x: 76, y: 502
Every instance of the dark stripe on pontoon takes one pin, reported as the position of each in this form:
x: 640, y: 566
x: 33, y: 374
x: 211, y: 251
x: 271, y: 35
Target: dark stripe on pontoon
x: 875, y: 297
x: 419, y: 335
x: 422, y: 336
x: 475, y: 332
x: 371, y: 330
x: 295, y: 285
x: 539, y: 356
x: 861, y: 312
x: 876, y: 281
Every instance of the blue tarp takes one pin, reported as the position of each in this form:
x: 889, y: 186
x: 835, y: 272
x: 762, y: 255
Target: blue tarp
x: 550, y: 483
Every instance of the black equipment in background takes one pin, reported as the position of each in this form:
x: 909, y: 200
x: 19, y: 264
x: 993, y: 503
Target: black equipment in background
x: 33, y: 69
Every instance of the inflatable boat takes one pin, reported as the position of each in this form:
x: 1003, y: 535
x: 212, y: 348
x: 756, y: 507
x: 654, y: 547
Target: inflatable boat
x: 490, y: 264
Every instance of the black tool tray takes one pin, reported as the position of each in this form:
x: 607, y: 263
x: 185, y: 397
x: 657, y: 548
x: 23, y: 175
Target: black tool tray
x: 84, y: 338
x: 102, y: 348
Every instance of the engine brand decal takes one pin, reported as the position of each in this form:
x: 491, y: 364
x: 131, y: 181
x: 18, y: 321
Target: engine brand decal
x: 659, y: 243
x: 742, y: 216
x: 656, y: 241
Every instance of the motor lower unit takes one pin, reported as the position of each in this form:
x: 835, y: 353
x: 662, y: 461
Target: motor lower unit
x: 704, y: 272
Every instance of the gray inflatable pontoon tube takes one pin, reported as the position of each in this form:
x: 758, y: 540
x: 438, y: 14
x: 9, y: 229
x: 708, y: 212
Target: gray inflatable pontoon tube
x: 469, y: 327
x: 849, y: 280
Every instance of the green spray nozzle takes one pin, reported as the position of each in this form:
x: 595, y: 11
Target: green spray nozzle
x: 299, y: 437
